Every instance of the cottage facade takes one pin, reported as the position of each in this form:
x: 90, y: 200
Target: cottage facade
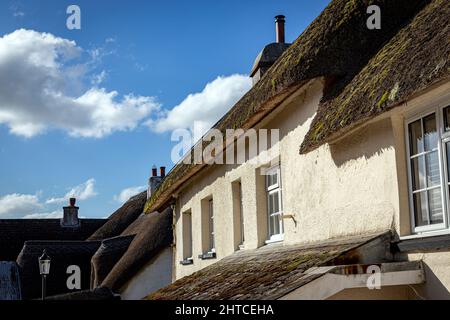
x: 362, y: 151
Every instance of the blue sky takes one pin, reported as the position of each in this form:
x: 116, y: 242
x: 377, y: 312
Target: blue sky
x: 159, y: 51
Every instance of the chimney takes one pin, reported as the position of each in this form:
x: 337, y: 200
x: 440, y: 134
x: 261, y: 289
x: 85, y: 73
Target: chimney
x: 271, y: 52
x: 70, y: 217
x: 155, y: 180
x: 279, y: 22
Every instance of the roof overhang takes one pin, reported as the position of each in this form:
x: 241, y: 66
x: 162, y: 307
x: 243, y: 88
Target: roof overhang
x: 334, y: 279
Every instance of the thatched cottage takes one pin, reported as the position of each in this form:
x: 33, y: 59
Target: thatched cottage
x: 360, y: 185
x: 126, y: 256
x: 355, y: 204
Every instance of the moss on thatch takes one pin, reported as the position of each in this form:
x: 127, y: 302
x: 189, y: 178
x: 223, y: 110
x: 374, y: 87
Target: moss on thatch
x: 337, y: 45
x: 416, y: 57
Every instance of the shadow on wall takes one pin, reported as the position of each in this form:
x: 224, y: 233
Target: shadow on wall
x: 367, y: 142
x: 433, y: 288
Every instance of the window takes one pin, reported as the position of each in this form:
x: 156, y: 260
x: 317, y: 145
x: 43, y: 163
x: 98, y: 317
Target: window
x: 211, y: 225
x: 274, y: 204
x: 208, y: 244
x: 429, y: 156
x: 238, y: 217
x: 187, y: 237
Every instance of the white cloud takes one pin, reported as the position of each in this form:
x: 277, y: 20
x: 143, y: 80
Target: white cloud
x: 98, y: 79
x: 38, y: 74
x: 127, y: 193
x: 46, y: 215
x: 83, y: 191
x: 18, y: 205
x: 204, y: 108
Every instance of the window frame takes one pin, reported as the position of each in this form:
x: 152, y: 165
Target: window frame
x: 442, y: 137
x: 241, y: 214
x: 212, y: 236
x: 187, y: 260
x: 271, y: 189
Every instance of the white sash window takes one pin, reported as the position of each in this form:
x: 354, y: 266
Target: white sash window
x: 428, y: 164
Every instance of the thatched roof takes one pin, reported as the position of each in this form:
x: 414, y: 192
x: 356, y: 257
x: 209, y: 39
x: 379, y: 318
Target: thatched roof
x: 415, y: 58
x: 121, y: 218
x: 63, y: 254
x: 14, y: 233
x: 338, y: 46
x: 107, y: 256
x: 270, y: 272
x: 153, y: 233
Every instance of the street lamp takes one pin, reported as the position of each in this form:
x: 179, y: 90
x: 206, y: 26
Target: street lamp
x: 44, y: 270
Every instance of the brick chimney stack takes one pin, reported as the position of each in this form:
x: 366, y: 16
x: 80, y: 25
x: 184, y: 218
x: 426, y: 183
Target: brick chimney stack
x: 155, y: 180
x: 70, y: 216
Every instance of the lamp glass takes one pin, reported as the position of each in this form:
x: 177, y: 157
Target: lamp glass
x: 44, y: 267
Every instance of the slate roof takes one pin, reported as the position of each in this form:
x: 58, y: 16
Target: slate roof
x: 269, y: 272
x: 362, y: 69
x: 10, y: 288
x: 268, y: 56
x: 14, y: 233
x: 63, y: 254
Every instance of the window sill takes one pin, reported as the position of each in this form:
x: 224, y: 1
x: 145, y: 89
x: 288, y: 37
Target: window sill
x: 187, y: 261
x: 428, y: 234
x: 422, y: 243
x: 207, y: 256
x: 275, y: 239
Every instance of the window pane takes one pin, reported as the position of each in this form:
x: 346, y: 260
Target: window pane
x: 431, y: 136
x: 420, y: 209
x: 274, y: 205
x: 274, y: 225
x: 211, y: 225
x: 447, y: 118
x: 448, y: 159
x: 272, y: 179
x: 435, y: 203
x: 271, y: 227
x: 418, y: 177
x: 432, y: 167
x: 415, y: 137
x: 187, y: 235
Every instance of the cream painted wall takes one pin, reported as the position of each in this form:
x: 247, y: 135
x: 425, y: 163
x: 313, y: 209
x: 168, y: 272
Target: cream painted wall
x: 357, y: 184
x: 437, y: 275
x: 315, y: 186
x: 384, y: 293
x: 157, y: 273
